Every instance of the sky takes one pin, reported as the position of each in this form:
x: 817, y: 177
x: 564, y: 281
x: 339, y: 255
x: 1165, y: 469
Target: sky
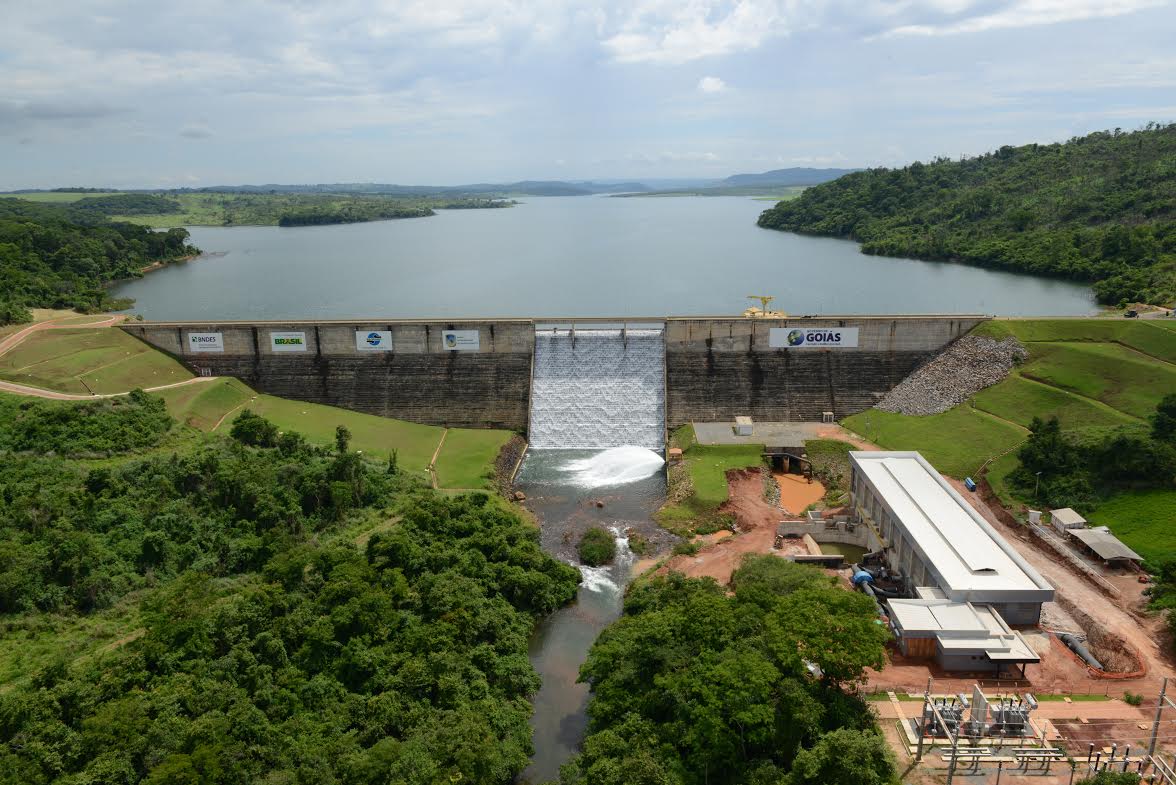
x: 150, y: 94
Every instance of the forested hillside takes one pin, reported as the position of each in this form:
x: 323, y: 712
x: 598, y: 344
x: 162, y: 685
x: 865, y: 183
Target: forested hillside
x: 1099, y: 208
x: 60, y: 256
x: 262, y: 639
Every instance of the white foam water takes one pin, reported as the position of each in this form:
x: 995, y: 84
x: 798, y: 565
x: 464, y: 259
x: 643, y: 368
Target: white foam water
x: 597, y: 389
x: 615, y: 466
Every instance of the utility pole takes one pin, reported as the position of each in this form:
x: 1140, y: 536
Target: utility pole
x: 923, y: 720
x: 955, y: 743
x: 1151, y: 748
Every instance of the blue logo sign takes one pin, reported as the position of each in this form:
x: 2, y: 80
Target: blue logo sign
x: 374, y: 339
x: 796, y: 338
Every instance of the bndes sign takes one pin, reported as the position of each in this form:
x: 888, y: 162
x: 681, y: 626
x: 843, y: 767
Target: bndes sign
x: 206, y: 342
x: 813, y: 337
x: 288, y: 342
x: 373, y: 340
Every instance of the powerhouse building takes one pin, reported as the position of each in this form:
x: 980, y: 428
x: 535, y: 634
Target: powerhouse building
x: 934, y: 538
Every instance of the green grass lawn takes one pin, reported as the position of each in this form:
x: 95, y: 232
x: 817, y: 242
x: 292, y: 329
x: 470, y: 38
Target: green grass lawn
x: 708, y: 466
x: 202, y: 406
x: 467, y: 457
x: 1148, y: 336
x: 956, y: 442
x: 1119, y: 377
x: 1145, y: 520
x: 89, y: 360
x: 1020, y: 400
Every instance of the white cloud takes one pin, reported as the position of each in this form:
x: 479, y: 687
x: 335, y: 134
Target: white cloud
x: 962, y: 18
x: 669, y: 32
x: 711, y: 84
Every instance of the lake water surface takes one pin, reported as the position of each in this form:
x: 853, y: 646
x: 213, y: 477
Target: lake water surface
x: 569, y: 256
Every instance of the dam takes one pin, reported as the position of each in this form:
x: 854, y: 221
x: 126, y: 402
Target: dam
x: 512, y: 373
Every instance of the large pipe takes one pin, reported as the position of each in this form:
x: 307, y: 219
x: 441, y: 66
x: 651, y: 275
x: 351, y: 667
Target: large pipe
x: 1080, y: 649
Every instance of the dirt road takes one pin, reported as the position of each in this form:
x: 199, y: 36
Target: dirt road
x: 1144, y: 633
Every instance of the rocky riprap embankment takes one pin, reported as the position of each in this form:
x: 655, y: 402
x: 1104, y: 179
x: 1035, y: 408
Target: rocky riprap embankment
x: 968, y: 366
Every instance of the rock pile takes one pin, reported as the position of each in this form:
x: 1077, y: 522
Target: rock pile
x: 967, y: 367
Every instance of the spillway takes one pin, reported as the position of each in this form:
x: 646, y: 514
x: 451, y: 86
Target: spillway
x: 597, y: 389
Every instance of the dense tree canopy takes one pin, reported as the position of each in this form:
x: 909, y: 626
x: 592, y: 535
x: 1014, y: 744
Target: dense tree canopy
x: 272, y: 647
x: 55, y: 256
x: 694, y: 686
x: 1072, y: 469
x: 88, y: 429
x: 1098, y: 208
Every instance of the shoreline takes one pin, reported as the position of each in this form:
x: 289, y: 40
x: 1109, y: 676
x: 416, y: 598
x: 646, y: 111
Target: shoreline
x: 160, y: 265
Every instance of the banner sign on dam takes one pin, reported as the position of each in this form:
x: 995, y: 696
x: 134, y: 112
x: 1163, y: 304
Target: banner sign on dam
x: 288, y: 342
x: 206, y: 342
x: 813, y: 338
x: 373, y: 340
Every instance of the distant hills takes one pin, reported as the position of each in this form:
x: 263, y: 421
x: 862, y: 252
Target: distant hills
x: 779, y: 178
x: 797, y: 175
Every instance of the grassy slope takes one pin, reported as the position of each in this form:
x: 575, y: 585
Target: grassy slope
x: 465, y: 459
x: 956, y: 442
x: 1088, y: 373
x: 88, y: 360
x: 1145, y: 520
x: 110, y: 361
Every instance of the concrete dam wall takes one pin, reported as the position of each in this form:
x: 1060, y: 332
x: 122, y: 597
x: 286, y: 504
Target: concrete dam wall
x: 717, y: 369
x: 478, y: 373
x: 399, y: 369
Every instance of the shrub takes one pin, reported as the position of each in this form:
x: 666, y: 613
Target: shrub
x: 254, y: 430
x: 1132, y: 698
x: 597, y: 547
x: 686, y: 548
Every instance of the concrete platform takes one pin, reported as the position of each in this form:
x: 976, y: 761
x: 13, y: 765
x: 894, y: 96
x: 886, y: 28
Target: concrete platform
x: 780, y: 433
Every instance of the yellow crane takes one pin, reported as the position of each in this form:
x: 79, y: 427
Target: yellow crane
x: 762, y: 311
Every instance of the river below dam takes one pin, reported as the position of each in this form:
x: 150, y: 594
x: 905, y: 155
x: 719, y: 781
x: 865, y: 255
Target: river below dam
x: 569, y: 256
x: 569, y: 491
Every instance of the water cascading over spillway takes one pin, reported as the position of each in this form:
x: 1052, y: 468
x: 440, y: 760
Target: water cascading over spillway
x: 597, y: 389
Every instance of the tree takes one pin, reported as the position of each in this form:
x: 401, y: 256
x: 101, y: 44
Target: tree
x: 393, y: 468
x: 342, y: 439
x: 254, y: 430
x: 1111, y: 778
x: 1164, y: 420
x: 844, y: 756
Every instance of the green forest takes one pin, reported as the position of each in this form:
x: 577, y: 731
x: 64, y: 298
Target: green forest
x: 63, y: 256
x: 262, y: 639
x: 1097, y: 208
x: 693, y: 686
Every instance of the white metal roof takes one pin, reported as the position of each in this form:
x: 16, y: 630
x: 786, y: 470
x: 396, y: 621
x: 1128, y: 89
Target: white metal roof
x: 961, y: 627
x: 968, y: 554
x: 1105, y: 544
x: 1067, y: 517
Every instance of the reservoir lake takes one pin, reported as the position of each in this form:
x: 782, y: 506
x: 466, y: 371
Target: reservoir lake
x: 569, y: 257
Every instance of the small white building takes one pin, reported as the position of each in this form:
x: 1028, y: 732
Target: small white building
x: 1064, y: 519
x: 743, y: 426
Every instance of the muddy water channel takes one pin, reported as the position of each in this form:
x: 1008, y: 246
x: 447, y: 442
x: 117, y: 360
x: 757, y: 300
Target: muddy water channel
x: 563, y: 489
